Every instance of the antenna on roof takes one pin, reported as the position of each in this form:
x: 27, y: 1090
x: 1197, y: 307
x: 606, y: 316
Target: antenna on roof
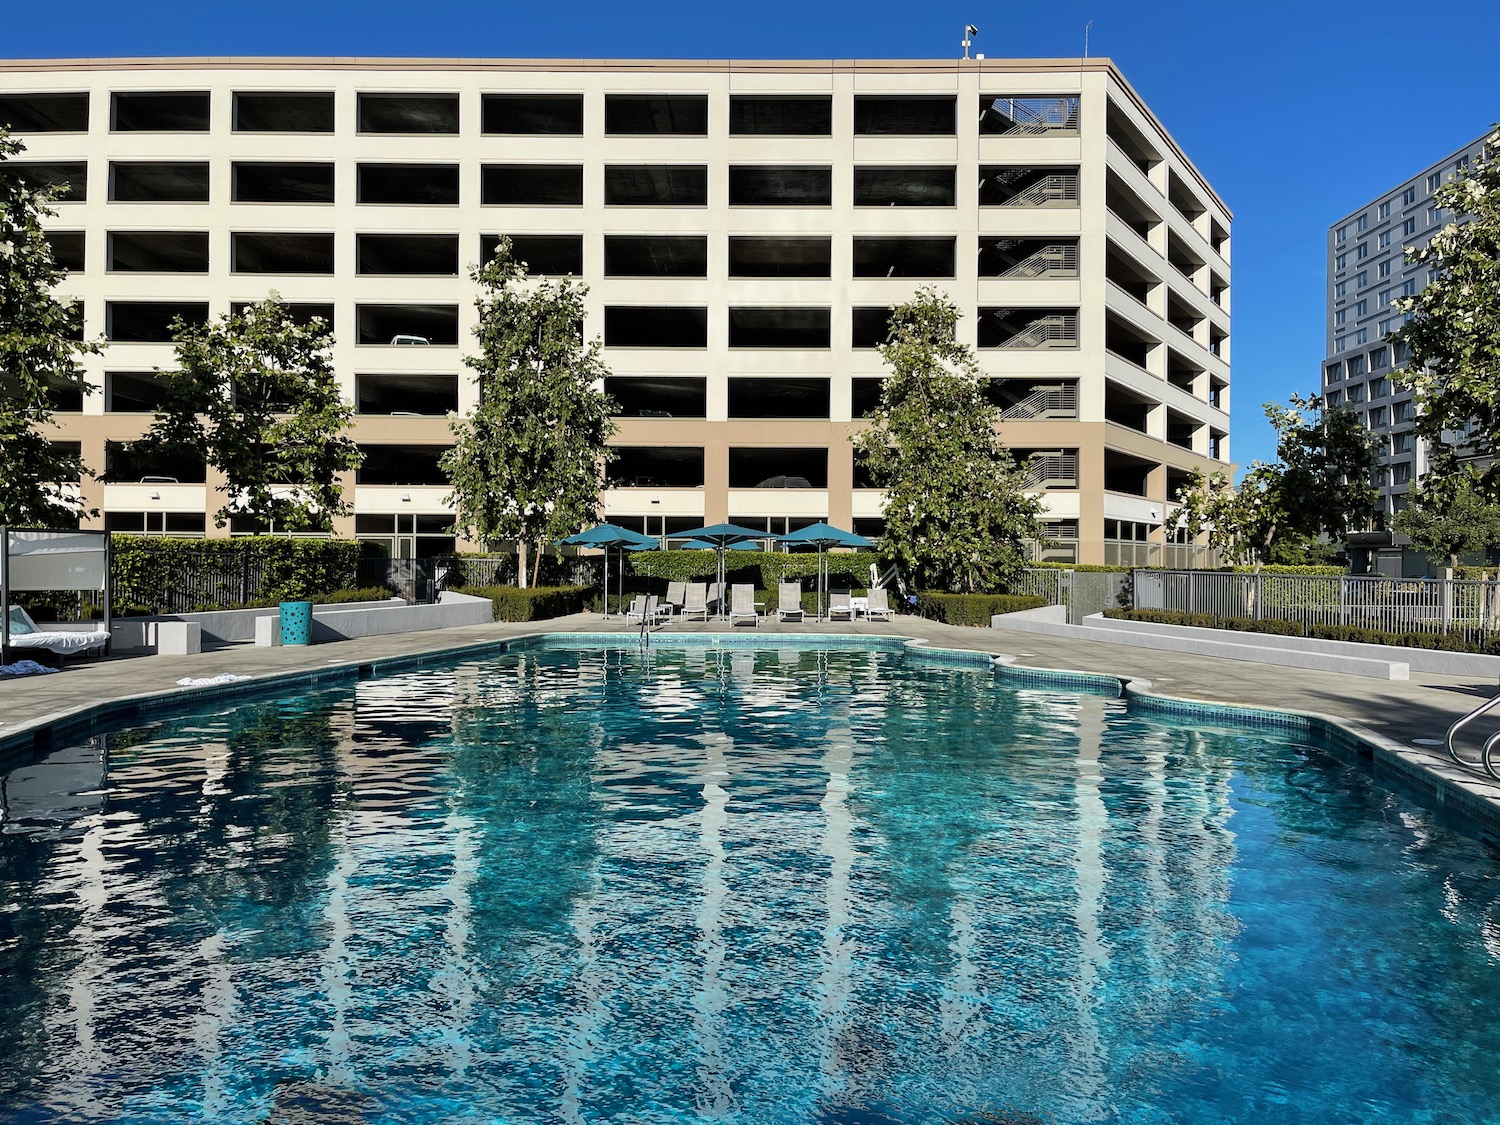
x: 1086, y: 38
x: 969, y: 30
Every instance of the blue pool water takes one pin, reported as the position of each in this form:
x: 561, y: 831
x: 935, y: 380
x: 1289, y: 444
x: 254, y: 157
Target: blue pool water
x: 732, y: 885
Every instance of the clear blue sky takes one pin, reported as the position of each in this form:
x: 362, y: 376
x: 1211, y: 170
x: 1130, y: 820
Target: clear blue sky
x: 1296, y: 112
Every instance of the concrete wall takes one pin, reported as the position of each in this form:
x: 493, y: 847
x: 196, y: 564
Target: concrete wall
x: 230, y: 626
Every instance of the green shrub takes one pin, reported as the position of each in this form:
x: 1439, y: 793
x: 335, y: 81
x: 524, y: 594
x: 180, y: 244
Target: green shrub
x: 1354, y: 634
x: 154, y: 575
x: 534, y: 603
x: 972, y: 609
x: 1087, y: 568
x: 762, y: 569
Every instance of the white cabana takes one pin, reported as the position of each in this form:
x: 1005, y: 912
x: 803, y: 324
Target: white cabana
x: 32, y: 560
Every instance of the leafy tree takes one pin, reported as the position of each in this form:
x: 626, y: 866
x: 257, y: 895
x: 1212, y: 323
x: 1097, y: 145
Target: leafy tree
x: 38, y: 353
x: 255, y: 396
x: 1319, y: 485
x: 528, y: 461
x: 956, y: 513
x: 1450, y: 516
x: 1453, y: 331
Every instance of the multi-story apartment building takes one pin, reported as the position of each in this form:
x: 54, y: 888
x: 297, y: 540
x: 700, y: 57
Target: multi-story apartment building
x: 1367, y: 274
x: 743, y: 228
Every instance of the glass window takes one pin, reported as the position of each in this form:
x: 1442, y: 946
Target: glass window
x: 1335, y: 399
x: 1362, y: 336
x: 1377, y: 418
x: 1361, y: 307
x: 1342, y: 234
x: 1383, y: 300
x: 1361, y: 279
x: 1362, y: 222
x: 1402, y: 442
x: 1338, y: 262
x: 1385, y: 239
x: 1434, y: 215
x: 1385, y: 269
x: 1385, y: 209
x: 1339, y: 289
x: 1409, y: 288
x: 1409, y: 227
x: 1340, y: 316
x: 1434, y: 181
x: 1385, y: 327
x: 1408, y: 197
x: 1339, y: 345
x: 1401, y: 474
x: 1362, y: 251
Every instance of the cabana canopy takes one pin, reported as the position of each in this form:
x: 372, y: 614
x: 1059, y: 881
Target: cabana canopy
x: 65, y: 559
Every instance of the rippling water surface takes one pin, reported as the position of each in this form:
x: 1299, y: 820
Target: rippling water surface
x: 731, y: 885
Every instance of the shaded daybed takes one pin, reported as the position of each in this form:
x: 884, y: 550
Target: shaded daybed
x: 33, y: 561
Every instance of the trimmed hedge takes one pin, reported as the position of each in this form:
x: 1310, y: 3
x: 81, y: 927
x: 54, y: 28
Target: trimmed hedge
x: 1354, y: 634
x: 533, y: 603
x: 762, y: 569
x: 972, y: 609
x: 148, y: 570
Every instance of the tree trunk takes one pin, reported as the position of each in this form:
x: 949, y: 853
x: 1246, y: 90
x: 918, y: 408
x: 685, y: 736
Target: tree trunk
x: 521, y: 563
x: 536, y: 565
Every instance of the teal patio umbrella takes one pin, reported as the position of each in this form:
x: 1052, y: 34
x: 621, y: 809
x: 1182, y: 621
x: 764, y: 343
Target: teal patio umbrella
x: 605, y: 536
x: 822, y: 536
x: 721, y: 536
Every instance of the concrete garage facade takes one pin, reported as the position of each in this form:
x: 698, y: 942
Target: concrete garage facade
x: 743, y: 228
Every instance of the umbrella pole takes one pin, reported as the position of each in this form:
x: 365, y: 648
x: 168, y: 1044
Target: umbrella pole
x: 621, y: 583
x: 606, y: 583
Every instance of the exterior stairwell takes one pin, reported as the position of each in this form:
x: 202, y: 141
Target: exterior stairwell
x: 1057, y: 260
x: 1060, y: 189
x: 1056, y: 331
x: 1045, y: 402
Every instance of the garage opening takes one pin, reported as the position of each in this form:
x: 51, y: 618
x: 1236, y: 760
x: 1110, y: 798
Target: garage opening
x: 158, y: 182
x: 753, y: 256
x: 158, y: 251
x: 1028, y: 328
x: 267, y: 182
x: 653, y: 326
x: 286, y: 252
x: 904, y: 115
x: 1124, y: 407
x: 531, y: 114
x: 406, y: 395
x: 903, y: 186
x: 45, y: 113
x: 418, y: 184
x: 655, y: 255
x: 864, y: 396
x: 301, y: 312
x: 903, y: 257
x: 408, y: 113
x: 402, y: 464
x: 755, y: 467
x: 872, y: 327
x: 169, y: 112
x: 656, y: 185
x: 776, y: 185
x: 133, y: 392
x: 656, y: 114
x: 428, y: 255
x: 1124, y: 472
x: 406, y: 324
x: 149, y: 322
x: 1011, y: 116
x: 659, y: 396
x: 123, y: 463
x: 64, y: 396
x: 277, y: 111
x: 537, y: 185
x: 67, y: 249
x: 751, y: 397
x: 68, y: 179
x: 1128, y: 342
x: 779, y: 328
x: 773, y: 115
x: 1015, y: 185
x: 544, y: 255
x: 656, y: 466
x: 1028, y: 257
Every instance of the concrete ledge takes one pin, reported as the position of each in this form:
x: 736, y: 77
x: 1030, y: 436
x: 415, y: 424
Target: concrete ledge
x: 219, y: 627
x: 1418, y: 659
x: 342, y: 623
x: 1260, y: 652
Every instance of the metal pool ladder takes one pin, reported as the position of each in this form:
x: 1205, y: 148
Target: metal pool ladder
x: 1486, y: 755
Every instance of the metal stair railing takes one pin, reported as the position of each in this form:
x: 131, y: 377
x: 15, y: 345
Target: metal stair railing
x: 1050, y: 468
x: 1060, y: 258
x: 1485, y: 761
x: 1056, y: 402
x: 1058, y: 329
x: 1060, y: 187
x: 1035, y: 117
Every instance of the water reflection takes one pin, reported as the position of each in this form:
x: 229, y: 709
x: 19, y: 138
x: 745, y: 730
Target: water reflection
x: 727, y: 885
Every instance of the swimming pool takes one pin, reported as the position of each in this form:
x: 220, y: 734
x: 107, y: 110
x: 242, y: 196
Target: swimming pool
x: 739, y: 884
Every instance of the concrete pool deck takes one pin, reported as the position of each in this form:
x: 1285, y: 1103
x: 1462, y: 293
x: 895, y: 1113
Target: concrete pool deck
x: 1392, y: 714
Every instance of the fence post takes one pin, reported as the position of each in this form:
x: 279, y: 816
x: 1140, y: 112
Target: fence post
x: 1447, y: 597
x: 1192, y: 585
x: 1343, y: 599
x: 1260, y: 597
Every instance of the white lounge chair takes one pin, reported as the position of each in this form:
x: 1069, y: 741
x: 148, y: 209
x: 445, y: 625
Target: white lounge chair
x: 695, y: 602
x: 789, y: 601
x: 840, y: 605
x: 676, y: 592
x: 24, y: 634
x: 637, y: 608
x: 742, y: 603
x: 878, y: 604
